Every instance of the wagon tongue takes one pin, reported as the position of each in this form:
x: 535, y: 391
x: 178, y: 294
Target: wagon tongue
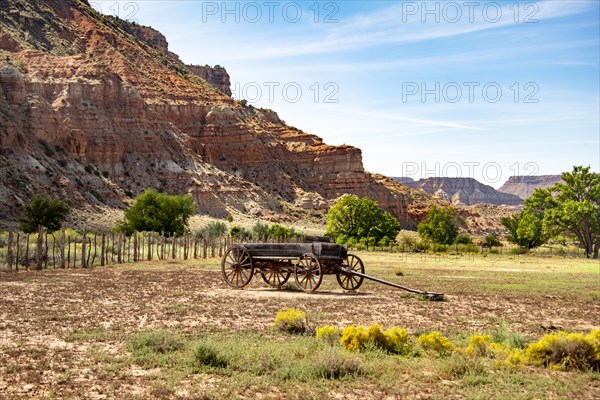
x: 427, y: 295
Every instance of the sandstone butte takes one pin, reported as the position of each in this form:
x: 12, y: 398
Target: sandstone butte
x: 94, y: 110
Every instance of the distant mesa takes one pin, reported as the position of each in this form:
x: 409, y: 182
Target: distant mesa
x: 463, y: 191
x: 403, y: 179
x: 524, y: 186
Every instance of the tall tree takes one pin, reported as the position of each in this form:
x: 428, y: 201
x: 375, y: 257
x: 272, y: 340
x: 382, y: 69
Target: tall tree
x: 353, y: 217
x: 572, y: 207
x: 439, y: 226
x: 158, y: 212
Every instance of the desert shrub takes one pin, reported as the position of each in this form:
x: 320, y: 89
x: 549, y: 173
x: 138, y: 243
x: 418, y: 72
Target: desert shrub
x: 357, y: 338
x: 457, y: 366
x: 562, y: 350
x: 440, y: 248
x: 398, y: 272
x: 260, y: 231
x: 205, y: 354
x: 478, y: 346
x: 329, y: 334
x: 468, y: 248
x: 160, y: 342
x: 240, y: 233
x: 421, y: 246
x: 407, y: 239
x: 491, y: 240
x: 385, y: 241
x: 291, y: 320
x: 397, y: 340
x: 336, y: 365
x: 435, y: 342
x: 506, y: 355
x: 463, y: 238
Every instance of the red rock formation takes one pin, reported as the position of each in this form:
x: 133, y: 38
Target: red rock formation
x: 95, y: 110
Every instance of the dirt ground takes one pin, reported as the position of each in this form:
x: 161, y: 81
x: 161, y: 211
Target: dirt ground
x: 43, y: 310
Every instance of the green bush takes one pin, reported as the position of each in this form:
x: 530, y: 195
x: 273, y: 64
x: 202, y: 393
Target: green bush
x: 205, y: 354
x: 463, y: 238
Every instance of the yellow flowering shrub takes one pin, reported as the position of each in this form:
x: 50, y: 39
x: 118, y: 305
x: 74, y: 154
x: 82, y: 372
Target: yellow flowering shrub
x: 394, y: 340
x: 290, y: 320
x: 562, y: 350
x: 507, y: 355
x: 435, y: 342
x: 479, y: 345
x: 329, y: 334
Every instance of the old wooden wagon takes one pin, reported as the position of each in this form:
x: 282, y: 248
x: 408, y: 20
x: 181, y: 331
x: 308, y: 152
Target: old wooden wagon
x: 276, y: 262
x: 308, y: 262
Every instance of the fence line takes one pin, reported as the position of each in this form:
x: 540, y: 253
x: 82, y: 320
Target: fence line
x: 88, y: 250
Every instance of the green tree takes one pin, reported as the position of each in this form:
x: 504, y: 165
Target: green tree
x: 572, y: 207
x: 158, y: 212
x: 43, y: 211
x: 359, y: 218
x: 439, y: 226
x: 525, y: 228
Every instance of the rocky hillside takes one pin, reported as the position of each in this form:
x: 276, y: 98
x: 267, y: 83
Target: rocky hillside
x: 95, y: 110
x: 524, y: 186
x: 464, y: 191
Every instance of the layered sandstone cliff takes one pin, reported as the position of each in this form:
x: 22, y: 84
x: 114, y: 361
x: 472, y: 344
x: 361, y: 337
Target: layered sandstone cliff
x: 95, y: 111
x: 464, y: 191
x: 524, y: 186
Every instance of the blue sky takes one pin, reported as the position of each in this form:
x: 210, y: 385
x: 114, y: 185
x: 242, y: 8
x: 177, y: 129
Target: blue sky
x: 437, y: 88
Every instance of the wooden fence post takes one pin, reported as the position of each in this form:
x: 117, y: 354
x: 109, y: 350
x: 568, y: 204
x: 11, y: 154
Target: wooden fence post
x: 135, y: 247
x: 103, y: 250
x: 9, y: 252
x: 18, y: 251
x: 174, y: 247
x: 38, y: 250
x: 149, y: 245
x: 119, y: 249
x: 27, y: 252
x: 62, y: 248
x: 83, y: 250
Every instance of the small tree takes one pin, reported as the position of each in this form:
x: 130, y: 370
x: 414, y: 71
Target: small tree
x: 43, y: 211
x: 439, y: 226
x: 491, y: 240
x: 525, y: 229
x: 158, y: 212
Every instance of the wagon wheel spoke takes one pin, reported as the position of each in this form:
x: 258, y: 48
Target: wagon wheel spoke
x: 236, y: 267
x: 347, y: 280
x: 308, y: 273
x: 275, y: 277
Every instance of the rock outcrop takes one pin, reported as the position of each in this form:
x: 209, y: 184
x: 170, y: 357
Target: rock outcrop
x: 464, y: 191
x: 95, y: 110
x: 524, y: 186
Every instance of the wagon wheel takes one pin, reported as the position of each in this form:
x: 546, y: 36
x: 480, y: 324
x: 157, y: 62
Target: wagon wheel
x: 275, y: 277
x: 349, y: 281
x: 308, y: 273
x: 236, y: 267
